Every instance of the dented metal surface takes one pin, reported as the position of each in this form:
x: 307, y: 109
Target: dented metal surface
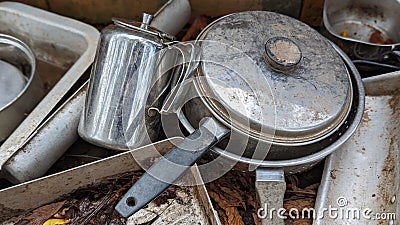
x: 63, y: 47
x: 365, y: 172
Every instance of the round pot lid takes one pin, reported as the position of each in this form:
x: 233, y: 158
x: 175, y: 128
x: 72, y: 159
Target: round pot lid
x: 273, y: 77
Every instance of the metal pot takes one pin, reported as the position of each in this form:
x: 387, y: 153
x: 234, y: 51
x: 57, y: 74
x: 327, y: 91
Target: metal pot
x: 366, y: 31
x: 314, y: 103
x: 20, y: 90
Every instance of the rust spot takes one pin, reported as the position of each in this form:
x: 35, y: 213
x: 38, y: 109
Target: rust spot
x: 7, y: 213
x: 390, y: 162
x: 389, y: 172
x: 394, y: 103
x: 378, y: 38
x: 332, y: 174
x: 365, y: 118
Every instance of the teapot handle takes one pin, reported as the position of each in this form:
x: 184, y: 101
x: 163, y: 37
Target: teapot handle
x: 186, y: 61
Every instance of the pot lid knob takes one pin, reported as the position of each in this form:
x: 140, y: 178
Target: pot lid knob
x: 282, y: 54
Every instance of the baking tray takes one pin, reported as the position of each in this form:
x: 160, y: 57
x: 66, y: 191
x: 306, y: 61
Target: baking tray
x: 18, y: 199
x: 64, y: 49
x: 364, y: 174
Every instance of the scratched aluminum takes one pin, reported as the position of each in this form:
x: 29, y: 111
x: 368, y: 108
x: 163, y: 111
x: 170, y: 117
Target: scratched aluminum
x: 310, y: 100
x: 364, y: 174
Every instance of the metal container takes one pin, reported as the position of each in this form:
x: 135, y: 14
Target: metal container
x: 283, y: 94
x: 366, y: 30
x: 64, y: 48
x: 23, y: 90
x: 362, y: 179
x: 126, y: 82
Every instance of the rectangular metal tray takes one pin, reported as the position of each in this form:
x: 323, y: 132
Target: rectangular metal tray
x: 29, y: 195
x: 64, y: 49
x: 364, y: 174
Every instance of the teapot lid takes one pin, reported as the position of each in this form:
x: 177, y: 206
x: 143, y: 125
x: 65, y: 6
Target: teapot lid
x: 274, y: 73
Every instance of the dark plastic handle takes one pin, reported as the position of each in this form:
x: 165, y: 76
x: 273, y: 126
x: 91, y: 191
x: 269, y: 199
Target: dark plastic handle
x: 171, y: 167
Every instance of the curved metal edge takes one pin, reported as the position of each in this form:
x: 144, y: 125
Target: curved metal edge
x: 30, y: 56
x: 272, y: 136
x: 328, y: 27
x: 137, y: 26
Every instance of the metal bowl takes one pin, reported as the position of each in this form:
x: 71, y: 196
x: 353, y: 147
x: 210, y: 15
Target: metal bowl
x: 367, y: 32
x: 20, y: 87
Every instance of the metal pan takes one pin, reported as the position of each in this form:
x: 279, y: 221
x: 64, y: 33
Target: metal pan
x: 363, y: 176
x: 366, y: 30
x: 50, y: 141
x: 64, y: 48
x: 53, y: 136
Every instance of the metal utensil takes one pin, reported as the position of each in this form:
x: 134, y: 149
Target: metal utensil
x: 23, y: 90
x: 172, y: 16
x: 275, y: 128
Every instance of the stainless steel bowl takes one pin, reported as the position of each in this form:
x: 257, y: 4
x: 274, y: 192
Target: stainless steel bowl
x: 366, y: 30
x: 20, y: 87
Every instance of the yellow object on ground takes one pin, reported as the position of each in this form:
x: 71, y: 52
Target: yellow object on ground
x: 55, y: 221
